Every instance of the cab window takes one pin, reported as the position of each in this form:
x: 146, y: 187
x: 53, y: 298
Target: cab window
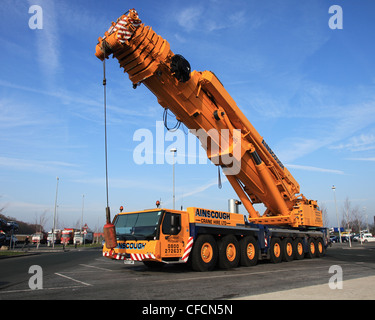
x: 171, y: 223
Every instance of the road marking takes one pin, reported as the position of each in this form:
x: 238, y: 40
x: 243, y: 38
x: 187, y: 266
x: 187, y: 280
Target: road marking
x: 238, y: 274
x: 61, y: 275
x: 29, y: 290
x: 88, y: 266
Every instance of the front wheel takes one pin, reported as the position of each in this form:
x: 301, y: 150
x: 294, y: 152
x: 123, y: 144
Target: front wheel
x: 204, y: 254
x: 229, y: 252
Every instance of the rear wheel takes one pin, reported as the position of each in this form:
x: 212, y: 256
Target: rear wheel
x: 275, y: 250
x: 204, y: 254
x: 287, y: 249
x: 299, y: 253
x: 249, y: 251
x: 311, y: 249
x: 229, y: 252
x: 320, y: 250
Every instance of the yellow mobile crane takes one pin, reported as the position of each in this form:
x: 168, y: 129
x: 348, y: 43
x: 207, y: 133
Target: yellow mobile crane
x: 291, y: 226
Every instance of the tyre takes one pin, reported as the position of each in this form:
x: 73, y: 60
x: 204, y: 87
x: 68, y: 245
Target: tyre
x: 229, y: 252
x: 311, y: 248
x: 275, y: 250
x: 299, y: 253
x: 320, y: 249
x: 287, y: 249
x: 249, y: 251
x: 204, y: 254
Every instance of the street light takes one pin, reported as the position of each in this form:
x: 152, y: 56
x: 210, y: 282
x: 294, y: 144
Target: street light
x: 54, y: 215
x: 337, y: 214
x: 174, y: 150
x: 83, y: 201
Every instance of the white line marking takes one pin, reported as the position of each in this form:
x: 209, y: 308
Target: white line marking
x: 88, y: 266
x: 84, y: 283
x: 29, y: 290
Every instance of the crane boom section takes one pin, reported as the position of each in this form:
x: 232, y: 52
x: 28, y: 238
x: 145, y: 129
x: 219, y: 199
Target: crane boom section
x: 200, y: 101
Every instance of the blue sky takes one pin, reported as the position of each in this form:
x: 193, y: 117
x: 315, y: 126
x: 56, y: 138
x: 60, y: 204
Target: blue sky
x: 309, y: 91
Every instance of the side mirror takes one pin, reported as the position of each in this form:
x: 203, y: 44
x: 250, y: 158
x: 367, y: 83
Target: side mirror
x: 175, y: 224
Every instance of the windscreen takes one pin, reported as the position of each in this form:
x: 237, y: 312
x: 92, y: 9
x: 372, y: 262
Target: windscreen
x: 136, y: 226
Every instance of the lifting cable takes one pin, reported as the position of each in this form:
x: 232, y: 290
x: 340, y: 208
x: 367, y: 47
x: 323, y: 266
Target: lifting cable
x: 165, y: 120
x: 105, y: 137
x: 219, y: 184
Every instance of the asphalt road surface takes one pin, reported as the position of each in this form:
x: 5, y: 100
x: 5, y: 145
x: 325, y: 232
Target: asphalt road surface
x: 85, y: 274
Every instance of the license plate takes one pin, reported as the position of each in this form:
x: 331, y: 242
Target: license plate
x: 128, y: 261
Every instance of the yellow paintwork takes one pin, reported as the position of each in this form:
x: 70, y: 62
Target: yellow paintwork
x: 173, y: 246
x: 202, y: 103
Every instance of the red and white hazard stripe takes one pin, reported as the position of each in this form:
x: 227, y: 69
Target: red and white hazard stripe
x: 123, y: 31
x: 133, y: 256
x: 140, y: 257
x: 187, y: 251
x: 113, y: 255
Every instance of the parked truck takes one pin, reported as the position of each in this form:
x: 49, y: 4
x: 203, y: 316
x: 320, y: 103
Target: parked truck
x: 39, y: 238
x: 54, y: 236
x: 83, y: 237
x: 67, y: 236
x: 291, y: 226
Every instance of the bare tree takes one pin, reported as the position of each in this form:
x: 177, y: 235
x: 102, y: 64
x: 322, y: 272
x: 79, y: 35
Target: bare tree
x: 358, y: 222
x: 77, y: 224
x: 2, y: 208
x: 325, y: 218
x: 40, y: 221
x: 352, y: 216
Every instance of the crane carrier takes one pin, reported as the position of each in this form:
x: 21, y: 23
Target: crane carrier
x: 291, y: 226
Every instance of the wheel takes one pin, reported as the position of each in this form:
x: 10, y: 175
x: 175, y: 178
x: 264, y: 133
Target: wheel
x: 320, y: 249
x: 229, y: 252
x: 204, y: 254
x: 311, y: 249
x: 299, y: 253
x: 287, y: 249
x: 249, y: 251
x: 275, y: 250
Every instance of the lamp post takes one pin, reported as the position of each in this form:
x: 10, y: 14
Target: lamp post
x: 173, y: 150
x: 54, y: 215
x: 83, y: 201
x: 337, y: 214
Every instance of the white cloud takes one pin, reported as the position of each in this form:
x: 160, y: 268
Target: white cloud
x: 363, y: 142
x: 325, y: 130
x: 36, y: 165
x: 189, y: 18
x: 315, y: 169
x: 362, y: 159
x: 210, y: 19
x: 47, y: 38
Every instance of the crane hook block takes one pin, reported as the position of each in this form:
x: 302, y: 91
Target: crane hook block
x: 180, y: 68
